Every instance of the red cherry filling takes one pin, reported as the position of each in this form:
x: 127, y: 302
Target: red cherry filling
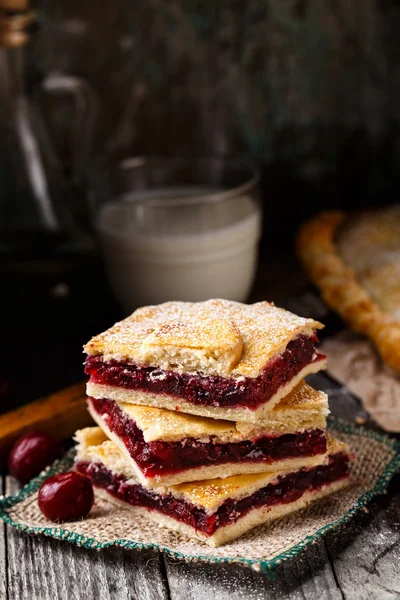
x: 213, y: 390
x: 31, y: 453
x: 162, y: 458
x: 287, y: 489
x: 66, y: 497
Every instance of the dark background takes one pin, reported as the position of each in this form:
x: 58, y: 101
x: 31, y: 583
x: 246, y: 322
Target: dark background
x: 308, y: 89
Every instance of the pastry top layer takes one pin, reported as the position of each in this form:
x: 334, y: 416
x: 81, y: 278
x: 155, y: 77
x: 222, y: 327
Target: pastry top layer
x: 356, y: 263
x: 304, y: 408
x: 216, y: 337
x: 208, y: 494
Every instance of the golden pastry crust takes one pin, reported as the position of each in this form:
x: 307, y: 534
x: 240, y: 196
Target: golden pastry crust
x: 208, y: 494
x: 244, y: 414
x: 304, y: 408
x: 359, y: 275
x: 228, y: 533
x: 216, y: 337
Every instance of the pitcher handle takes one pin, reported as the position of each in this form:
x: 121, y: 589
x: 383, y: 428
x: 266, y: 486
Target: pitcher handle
x: 86, y: 108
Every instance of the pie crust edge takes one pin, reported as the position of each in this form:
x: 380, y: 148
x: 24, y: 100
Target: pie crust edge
x: 340, y: 289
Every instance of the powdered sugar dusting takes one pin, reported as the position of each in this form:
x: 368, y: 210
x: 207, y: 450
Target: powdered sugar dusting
x: 264, y: 328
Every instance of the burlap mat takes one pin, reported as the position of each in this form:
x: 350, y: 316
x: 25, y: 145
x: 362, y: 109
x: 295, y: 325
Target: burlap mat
x: 262, y: 548
x: 356, y: 363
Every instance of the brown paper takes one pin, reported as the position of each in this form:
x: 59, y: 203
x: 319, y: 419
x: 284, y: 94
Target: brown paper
x: 355, y: 362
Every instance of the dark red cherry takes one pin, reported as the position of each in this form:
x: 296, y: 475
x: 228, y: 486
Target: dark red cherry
x: 66, y: 497
x: 31, y: 453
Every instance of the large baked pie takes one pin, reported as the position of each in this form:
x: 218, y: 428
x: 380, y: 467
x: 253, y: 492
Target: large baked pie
x: 355, y: 261
x: 215, y: 510
x: 166, y: 447
x: 218, y: 358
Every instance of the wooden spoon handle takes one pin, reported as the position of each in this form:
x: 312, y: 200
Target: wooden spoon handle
x: 60, y: 414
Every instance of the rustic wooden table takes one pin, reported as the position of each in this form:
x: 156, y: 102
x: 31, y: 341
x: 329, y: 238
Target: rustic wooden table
x: 360, y: 561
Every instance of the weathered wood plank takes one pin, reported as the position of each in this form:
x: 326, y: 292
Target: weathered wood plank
x: 45, y: 569
x: 192, y: 581
x: 309, y: 576
x: 364, y: 556
x: 366, y: 553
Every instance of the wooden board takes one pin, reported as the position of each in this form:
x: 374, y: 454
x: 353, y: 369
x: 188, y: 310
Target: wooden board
x: 60, y: 414
x: 359, y: 562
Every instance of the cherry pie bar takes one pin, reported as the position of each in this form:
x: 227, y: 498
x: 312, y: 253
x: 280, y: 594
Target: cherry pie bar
x: 164, y: 447
x: 218, y: 359
x: 205, y: 422
x: 215, y: 511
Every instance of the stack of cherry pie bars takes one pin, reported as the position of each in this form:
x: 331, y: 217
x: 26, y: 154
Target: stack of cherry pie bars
x: 205, y: 422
